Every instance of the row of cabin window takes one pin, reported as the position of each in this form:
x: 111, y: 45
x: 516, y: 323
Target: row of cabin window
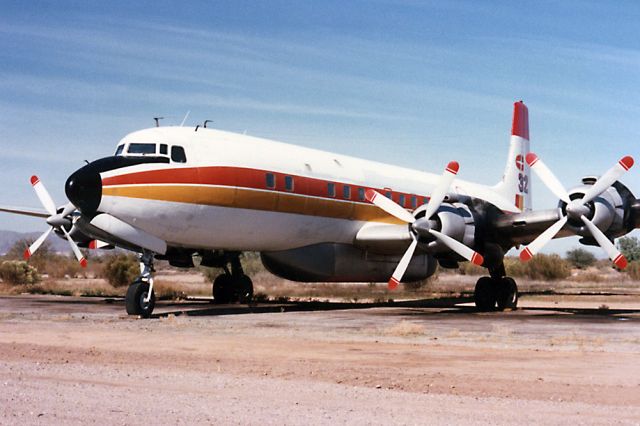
x: 346, y: 191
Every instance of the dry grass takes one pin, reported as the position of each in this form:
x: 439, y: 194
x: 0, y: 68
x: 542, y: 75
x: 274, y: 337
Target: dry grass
x: 405, y: 329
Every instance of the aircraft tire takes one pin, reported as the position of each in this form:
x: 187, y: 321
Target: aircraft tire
x: 507, y: 294
x: 484, y: 295
x: 222, y: 290
x: 134, y: 300
x: 244, y: 288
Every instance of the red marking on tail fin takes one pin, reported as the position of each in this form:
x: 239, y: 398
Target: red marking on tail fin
x: 370, y: 195
x: 620, y: 261
x: 393, y: 283
x: 34, y: 180
x: 531, y: 159
x: 526, y: 255
x: 520, y: 126
x: 626, y: 162
x: 83, y: 262
x: 477, y: 259
x: 453, y: 167
x: 27, y: 254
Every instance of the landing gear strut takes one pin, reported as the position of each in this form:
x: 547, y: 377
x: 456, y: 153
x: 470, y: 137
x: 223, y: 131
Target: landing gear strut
x: 233, y: 285
x: 140, y: 299
x: 497, y: 292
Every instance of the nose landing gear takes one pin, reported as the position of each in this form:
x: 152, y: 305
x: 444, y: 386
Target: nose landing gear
x: 140, y: 299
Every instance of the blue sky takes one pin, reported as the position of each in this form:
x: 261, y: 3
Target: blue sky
x: 406, y: 82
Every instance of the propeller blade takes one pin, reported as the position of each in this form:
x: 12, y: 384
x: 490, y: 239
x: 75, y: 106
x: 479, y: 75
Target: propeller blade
x: 27, y: 211
x: 43, y: 195
x: 403, y: 265
x: 76, y: 250
x: 36, y: 244
x: 542, y: 239
x: 618, y: 258
x: 441, y: 189
x: 458, y: 247
x: 547, y: 177
x: 608, y: 179
x: 389, y: 206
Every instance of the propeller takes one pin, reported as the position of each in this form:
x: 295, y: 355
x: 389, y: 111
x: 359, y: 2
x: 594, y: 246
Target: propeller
x: 55, y: 220
x: 577, y: 209
x: 435, y: 201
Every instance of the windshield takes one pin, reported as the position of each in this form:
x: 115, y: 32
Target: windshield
x: 119, y: 149
x: 142, y: 148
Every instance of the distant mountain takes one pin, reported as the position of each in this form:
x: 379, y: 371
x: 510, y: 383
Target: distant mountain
x: 9, y: 238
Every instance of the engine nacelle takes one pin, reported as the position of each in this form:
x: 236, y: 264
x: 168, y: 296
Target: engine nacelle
x: 455, y: 220
x: 607, y: 211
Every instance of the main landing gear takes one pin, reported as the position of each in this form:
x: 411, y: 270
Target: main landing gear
x: 140, y: 299
x: 497, y: 292
x: 233, y: 286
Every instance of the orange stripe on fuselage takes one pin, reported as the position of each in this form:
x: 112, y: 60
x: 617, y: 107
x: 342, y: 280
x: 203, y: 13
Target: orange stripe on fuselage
x: 244, y: 198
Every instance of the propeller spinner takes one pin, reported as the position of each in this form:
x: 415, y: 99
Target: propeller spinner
x: 577, y: 209
x: 435, y: 201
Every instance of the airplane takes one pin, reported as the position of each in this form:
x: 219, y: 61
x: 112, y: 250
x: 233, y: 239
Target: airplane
x: 176, y: 192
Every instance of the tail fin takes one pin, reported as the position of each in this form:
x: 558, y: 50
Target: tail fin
x: 516, y: 182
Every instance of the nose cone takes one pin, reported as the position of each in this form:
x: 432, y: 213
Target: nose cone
x: 84, y: 189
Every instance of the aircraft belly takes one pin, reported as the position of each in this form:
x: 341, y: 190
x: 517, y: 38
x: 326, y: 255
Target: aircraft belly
x: 219, y: 227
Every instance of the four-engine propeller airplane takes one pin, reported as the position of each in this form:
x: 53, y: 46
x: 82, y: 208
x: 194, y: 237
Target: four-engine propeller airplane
x: 175, y: 192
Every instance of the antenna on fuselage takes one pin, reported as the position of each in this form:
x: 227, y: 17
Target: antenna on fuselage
x: 185, y: 118
x: 205, y: 123
x: 157, y: 120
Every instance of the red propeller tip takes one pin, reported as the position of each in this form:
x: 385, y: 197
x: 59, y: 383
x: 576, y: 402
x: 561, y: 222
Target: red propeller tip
x: 477, y: 259
x: 531, y: 159
x: 34, y: 180
x: 526, y: 255
x: 626, y: 162
x: 453, y: 167
x: 27, y: 254
x: 620, y: 261
x: 93, y: 244
x: 393, y: 283
x: 370, y: 195
x: 83, y: 262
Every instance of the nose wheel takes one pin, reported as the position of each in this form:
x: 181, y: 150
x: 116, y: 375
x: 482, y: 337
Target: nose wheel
x: 140, y: 299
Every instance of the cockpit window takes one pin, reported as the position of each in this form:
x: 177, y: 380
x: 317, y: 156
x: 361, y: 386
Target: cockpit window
x: 119, y: 149
x: 142, y: 148
x: 178, y: 155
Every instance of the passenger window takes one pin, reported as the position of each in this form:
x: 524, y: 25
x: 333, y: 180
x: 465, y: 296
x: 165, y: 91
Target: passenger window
x: 178, y: 155
x: 271, y: 181
x: 414, y: 202
x: 425, y: 200
x: 346, y: 192
x: 361, y: 196
x: 163, y: 149
x: 402, y: 200
x: 119, y: 149
x: 288, y: 183
x: 142, y: 148
x: 331, y: 189
x: 388, y: 195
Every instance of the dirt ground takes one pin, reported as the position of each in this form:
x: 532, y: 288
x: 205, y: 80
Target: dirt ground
x: 557, y: 360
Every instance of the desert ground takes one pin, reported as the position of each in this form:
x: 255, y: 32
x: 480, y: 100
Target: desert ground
x: 558, y: 359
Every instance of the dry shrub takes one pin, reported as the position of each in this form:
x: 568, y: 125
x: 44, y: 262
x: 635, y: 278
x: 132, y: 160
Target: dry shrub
x: 62, y: 266
x: 18, y: 272
x: 633, y: 270
x: 468, y: 268
x: 546, y: 267
x: 121, y: 269
x: 580, y: 258
x: 168, y: 291
x: 587, y: 277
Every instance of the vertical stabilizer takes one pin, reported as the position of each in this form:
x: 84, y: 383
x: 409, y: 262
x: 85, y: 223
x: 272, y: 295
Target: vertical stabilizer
x: 516, y: 181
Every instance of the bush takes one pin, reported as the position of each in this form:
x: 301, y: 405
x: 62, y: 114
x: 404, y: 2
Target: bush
x: 18, y: 272
x: 121, y: 269
x: 630, y: 248
x: 580, y: 258
x: 633, y: 269
x: 541, y: 267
